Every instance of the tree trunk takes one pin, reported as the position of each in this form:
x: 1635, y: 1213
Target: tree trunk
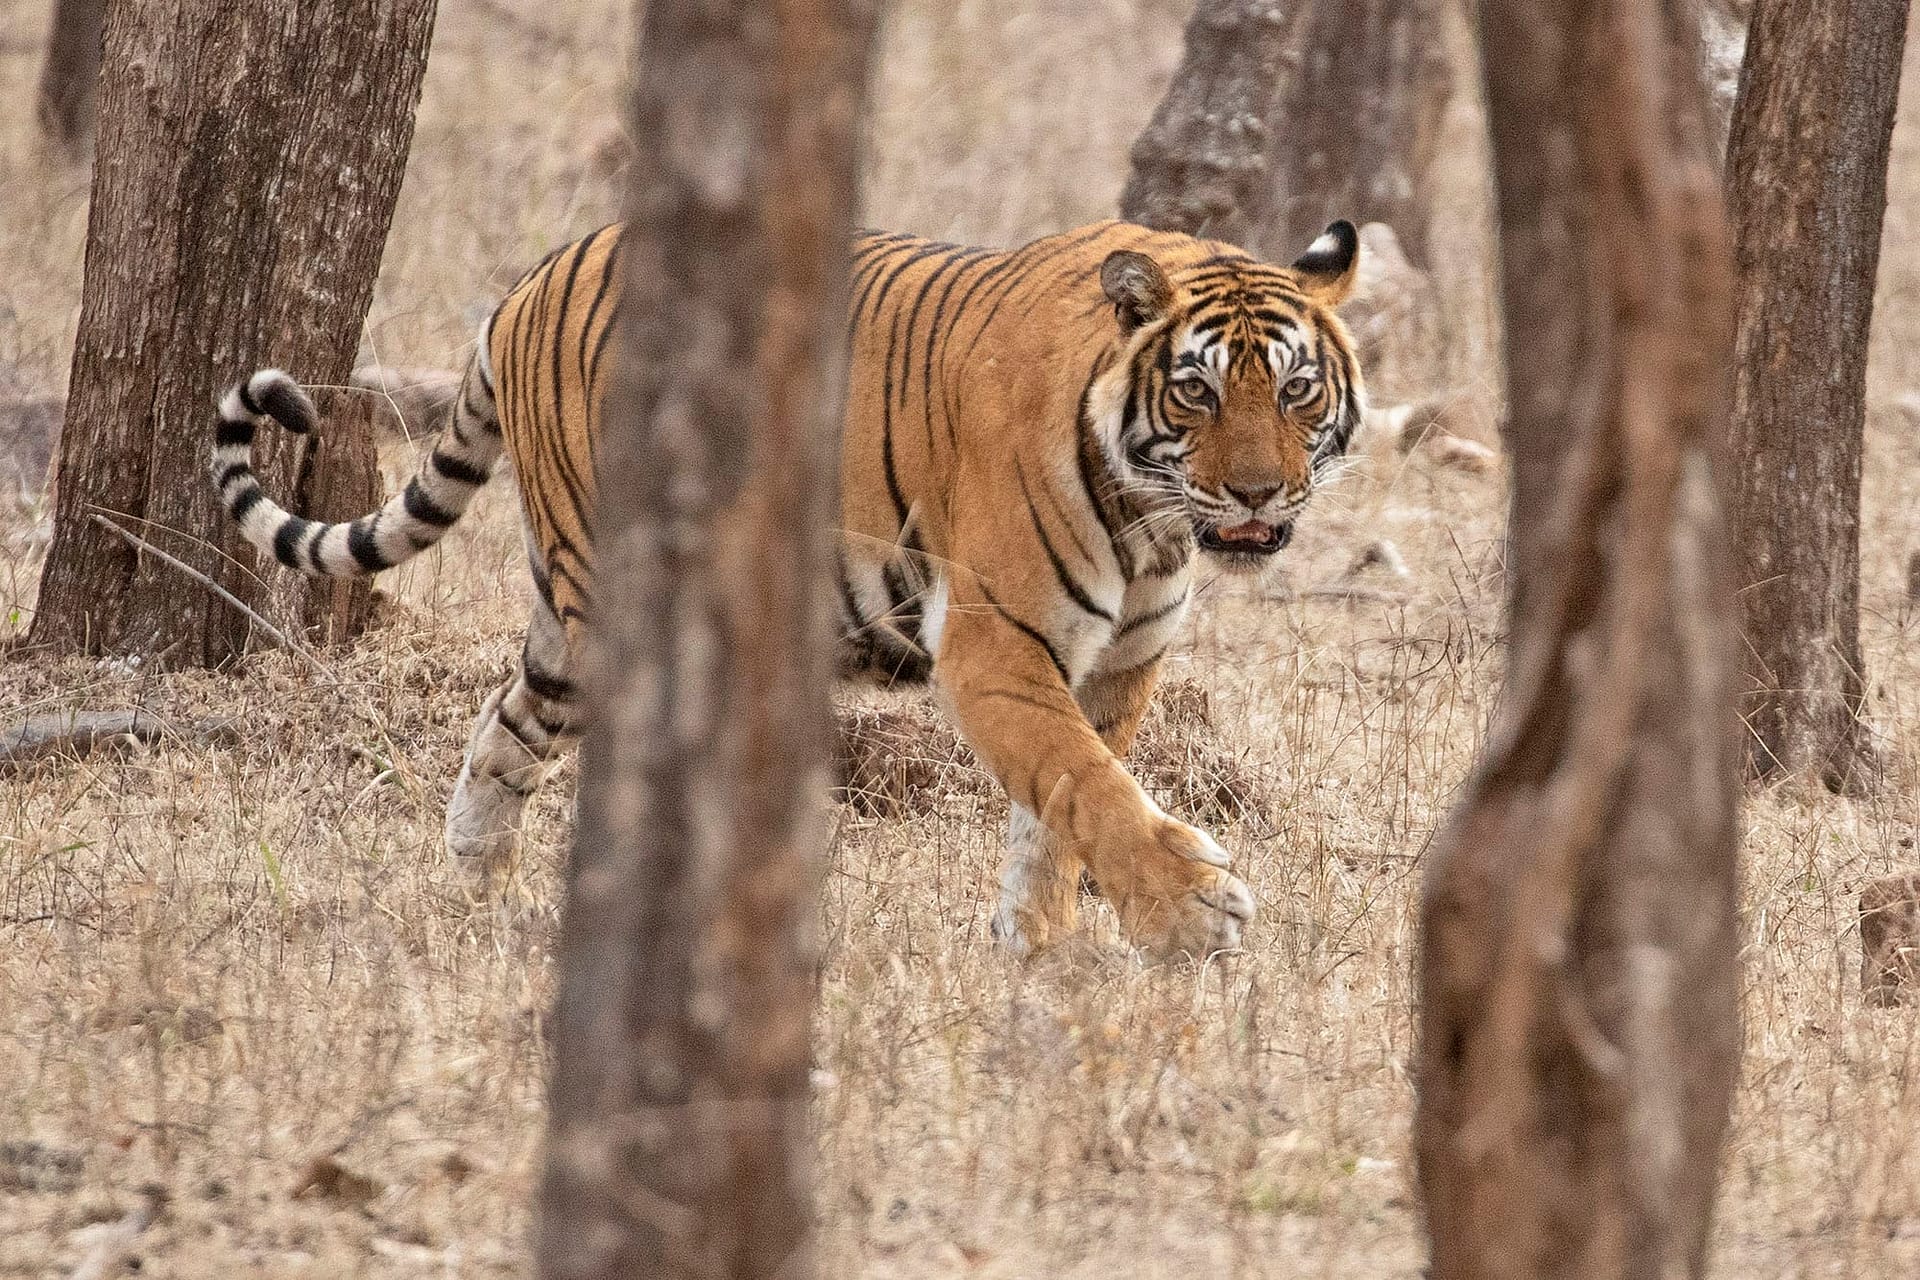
x: 687, y: 956
x: 1200, y: 165
x: 248, y: 162
x: 70, y: 78
x: 1578, y: 1020
x: 1807, y: 181
x: 1357, y: 123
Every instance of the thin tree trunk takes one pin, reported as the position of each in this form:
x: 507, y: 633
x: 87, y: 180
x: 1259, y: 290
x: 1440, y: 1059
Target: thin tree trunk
x: 1357, y: 123
x: 679, y: 1097
x: 248, y: 162
x: 1578, y: 1020
x: 1807, y: 181
x: 70, y: 77
x: 1200, y: 166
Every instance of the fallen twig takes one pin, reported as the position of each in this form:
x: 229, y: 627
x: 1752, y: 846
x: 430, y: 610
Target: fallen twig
x: 79, y: 733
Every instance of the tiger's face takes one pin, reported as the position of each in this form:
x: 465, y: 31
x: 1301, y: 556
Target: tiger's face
x: 1235, y: 391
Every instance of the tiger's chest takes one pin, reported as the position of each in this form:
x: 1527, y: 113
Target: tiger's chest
x: 1148, y: 619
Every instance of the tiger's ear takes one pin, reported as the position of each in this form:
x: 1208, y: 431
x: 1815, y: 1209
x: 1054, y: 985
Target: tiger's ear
x: 1137, y: 287
x: 1331, y: 264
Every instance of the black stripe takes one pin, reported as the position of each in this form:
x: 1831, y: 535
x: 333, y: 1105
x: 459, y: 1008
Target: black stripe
x: 600, y: 294
x: 1068, y: 583
x: 933, y: 278
x: 233, y: 431
x: 361, y: 546
x: 599, y: 353
x: 554, y: 729
x: 1030, y: 269
x: 421, y: 506
x: 1093, y: 469
x: 454, y: 469
x: 886, y: 429
x: 552, y: 687
x: 886, y: 280
x: 231, y: 472
x: 1141, y: 665
x: 1031, y: 633
x: 1008, y: 695
x: 513, y: 724
x: 247, y: 501
x: 1139, y: 620
x: 559, y: 347
x: 246, y: 397
x: 542, y: 583
x: 287, y: 538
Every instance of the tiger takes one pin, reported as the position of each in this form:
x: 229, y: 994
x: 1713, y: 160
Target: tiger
x: 1039, y: 446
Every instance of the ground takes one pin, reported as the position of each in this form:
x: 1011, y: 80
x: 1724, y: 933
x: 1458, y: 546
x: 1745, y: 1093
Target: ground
x: 230, y: 968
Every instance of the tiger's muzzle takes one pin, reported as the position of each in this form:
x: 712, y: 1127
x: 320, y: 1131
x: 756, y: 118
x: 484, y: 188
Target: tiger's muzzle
x: 1248, y: 538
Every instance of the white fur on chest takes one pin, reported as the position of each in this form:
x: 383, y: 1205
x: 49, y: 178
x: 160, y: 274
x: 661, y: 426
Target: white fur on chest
x: 1150, y: 616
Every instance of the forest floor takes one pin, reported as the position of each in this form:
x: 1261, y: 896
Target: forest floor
x: 231, y: 969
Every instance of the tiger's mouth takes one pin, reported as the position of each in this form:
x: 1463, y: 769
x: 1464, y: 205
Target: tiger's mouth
x: 1251, y: 537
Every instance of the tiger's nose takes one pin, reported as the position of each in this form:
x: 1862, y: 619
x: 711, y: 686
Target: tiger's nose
x: 1253, y: 499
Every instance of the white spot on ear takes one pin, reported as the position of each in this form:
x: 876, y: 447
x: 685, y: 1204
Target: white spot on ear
x: 1325, y: 243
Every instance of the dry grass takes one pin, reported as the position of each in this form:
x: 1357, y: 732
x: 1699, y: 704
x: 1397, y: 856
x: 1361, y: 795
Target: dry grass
x: 230, y: 971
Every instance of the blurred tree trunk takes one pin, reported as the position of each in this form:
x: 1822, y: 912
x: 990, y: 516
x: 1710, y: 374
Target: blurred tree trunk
x: 1200, y: 165
x: 1356, y: 123
x: 70, y: 77
x: 246, y: 170
x: 687, y: 956
x: 1579, y: 1028
x: 1807, y: 180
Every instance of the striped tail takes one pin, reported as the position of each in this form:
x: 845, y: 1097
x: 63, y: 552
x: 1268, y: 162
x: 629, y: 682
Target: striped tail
x: 407, y: 524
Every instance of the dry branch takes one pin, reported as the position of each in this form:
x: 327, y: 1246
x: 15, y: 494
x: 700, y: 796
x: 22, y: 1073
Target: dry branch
x: 74, y: 734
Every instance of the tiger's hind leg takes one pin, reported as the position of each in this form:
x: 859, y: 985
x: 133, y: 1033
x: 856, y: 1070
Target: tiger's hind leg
x: 524, y: 728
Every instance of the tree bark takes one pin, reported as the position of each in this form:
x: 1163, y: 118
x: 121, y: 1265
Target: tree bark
x: 1357, y: 123
x: 1200, y: 166
x: 1578, y: 1010
x: 688, y: 952
x: 247, y: 167
x: 70, y: 77
x: 1807, y: 181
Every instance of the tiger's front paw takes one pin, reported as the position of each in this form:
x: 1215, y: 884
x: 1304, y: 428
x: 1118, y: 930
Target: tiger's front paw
x: 483, y: 838
x: 1177, y: 896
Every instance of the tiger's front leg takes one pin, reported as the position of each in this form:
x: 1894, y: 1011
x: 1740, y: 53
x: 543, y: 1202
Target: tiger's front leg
x: 1076, y: 805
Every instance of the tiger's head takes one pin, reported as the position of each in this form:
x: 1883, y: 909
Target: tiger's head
x: 1234, y: 390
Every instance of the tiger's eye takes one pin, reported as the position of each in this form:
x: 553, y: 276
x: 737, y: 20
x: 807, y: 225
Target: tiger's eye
x: 1194, y: 393
x: 1297, y: 388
